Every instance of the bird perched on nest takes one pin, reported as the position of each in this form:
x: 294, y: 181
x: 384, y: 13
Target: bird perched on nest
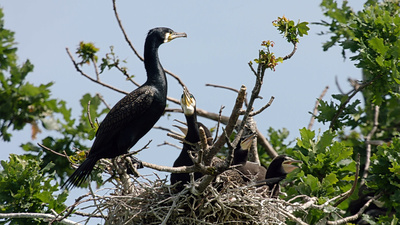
x: 135, y: 114
x: 248, y: 170
x: 188, y: 104
x: 280, y: 166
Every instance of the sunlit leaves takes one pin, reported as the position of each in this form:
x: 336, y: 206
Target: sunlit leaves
x: 373, y: 35
x: 385, y: 173
x: 266, y: 58
x: 87, y: 52
x: 290, y: 30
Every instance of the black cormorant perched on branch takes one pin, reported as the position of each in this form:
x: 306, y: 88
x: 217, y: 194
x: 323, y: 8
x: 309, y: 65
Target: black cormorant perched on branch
x: 135, y: 114
x: 277, y: 171
x: 188, y: 104
x: 249, y: 170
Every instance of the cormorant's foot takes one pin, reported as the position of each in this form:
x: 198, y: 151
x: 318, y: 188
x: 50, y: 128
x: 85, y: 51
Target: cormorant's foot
x: 132, y: 165
x: 137, y: 162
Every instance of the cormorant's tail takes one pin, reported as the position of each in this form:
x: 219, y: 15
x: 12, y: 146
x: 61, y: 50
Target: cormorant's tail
x: 80, y: 174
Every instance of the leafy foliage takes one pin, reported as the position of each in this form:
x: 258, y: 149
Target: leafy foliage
x: 289, y: 30
x: 21, y: 102
x: 87, y: 52
x: 327, y: 170
x: 385, y: 174
x: 26, y: 186
x: 373, y: 35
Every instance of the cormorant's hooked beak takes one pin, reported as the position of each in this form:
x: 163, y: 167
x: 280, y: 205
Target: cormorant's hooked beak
x: 188, y: 102
x: 288, y: 166
x: 171, y: 36
x: 246, y: 143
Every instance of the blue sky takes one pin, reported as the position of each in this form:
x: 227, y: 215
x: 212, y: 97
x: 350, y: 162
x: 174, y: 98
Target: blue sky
x: 222, y: 38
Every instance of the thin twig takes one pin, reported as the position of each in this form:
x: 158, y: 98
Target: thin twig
x: 315, y: 111
x: 104, y: 101
x: 354, y: 92
x: 88, y: 115
x: 263, y: 108
x: 45, y: 216
x: 52, y: 151
x: 348, y: 193
x: 90, y: 78
x: 218, y: 123
x: 292, y: 53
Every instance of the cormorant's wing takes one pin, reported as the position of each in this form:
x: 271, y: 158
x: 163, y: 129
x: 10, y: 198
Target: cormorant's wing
x: 132, y: 107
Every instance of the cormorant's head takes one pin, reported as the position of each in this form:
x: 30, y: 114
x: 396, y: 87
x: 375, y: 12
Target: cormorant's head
x: 245, y: 143
x: 281, y: 166
x: 164, y: 34
x: 188, y: 103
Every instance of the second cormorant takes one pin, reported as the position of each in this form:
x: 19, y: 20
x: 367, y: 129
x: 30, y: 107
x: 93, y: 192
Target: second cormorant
x: 188, y: 104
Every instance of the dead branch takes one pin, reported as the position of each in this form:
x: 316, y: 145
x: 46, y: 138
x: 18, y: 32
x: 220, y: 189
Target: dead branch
x: 45, y: 216
x: 368, y: 143
x: 263, y: 108
x: 229, y: 127
x: 315, y: 111
x: 357, y: 215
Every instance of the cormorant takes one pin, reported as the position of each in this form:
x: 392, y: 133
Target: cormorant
x: 135, y: 114
x: 249, y: 170
x: 277, y: 171
x: 188, y: 104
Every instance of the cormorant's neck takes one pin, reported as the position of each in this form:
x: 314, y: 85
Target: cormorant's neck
x: 240, y: 156
x: 193, y: 134
x: 155, y: 72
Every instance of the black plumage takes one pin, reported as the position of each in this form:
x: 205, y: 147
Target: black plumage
x: 188, y: 104
x: 248, y: 170
x: 277, y: 171
x: 135, y: 114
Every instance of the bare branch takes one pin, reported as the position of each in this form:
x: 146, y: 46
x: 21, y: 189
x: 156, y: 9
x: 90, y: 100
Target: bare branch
x: 292, y: 53
x: 45, y: 216
x: 357, y: 215
x: 218, y: 123
x: 263, y: 108
x: 315, y: 111
x: 102, y: 100
x: 229, y: 127
x: 88, y: 115
x: 368, y: 142
x: 90, y: 78
x: 52, y: 151
x: 124, y: 33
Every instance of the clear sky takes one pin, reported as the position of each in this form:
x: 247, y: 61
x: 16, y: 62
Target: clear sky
x: 223, y: 36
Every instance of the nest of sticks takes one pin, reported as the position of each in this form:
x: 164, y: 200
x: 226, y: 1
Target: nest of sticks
x: 154, y: 202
